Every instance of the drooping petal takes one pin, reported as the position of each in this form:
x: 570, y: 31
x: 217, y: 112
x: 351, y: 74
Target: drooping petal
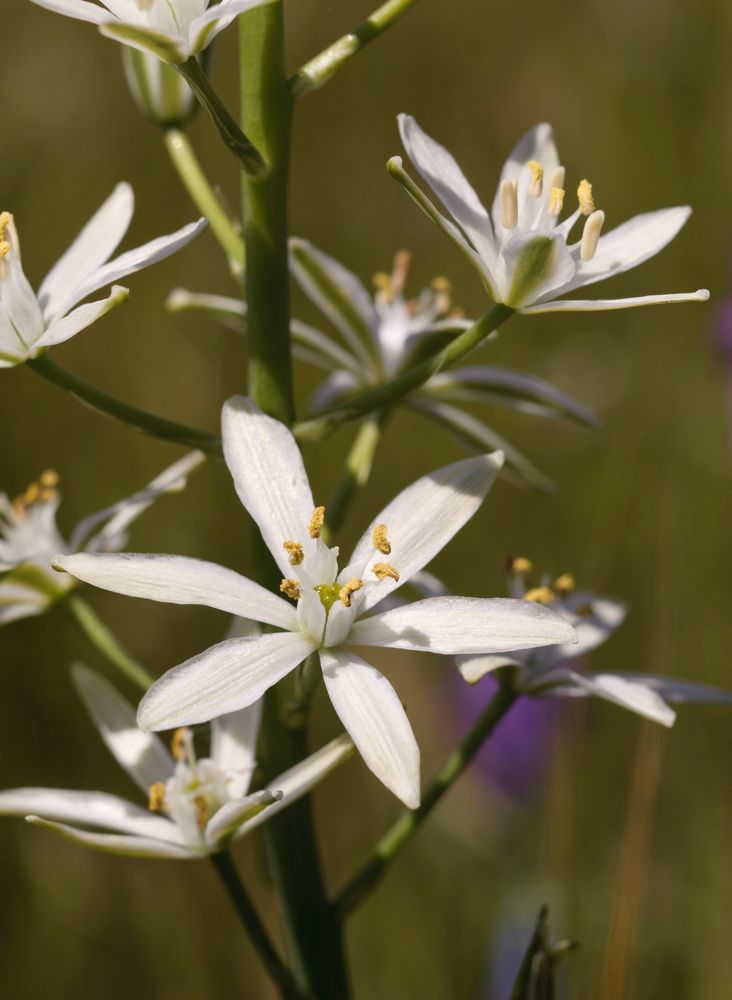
x: 269, y: 476
x: 599, y: 305
x: 110, y: 843
x: 635, y: 696
x: 474, y: 668
x: 82, y: 10
x: 441, y: 171
x: 143, y: 756
x: 223, y: 679
x: 109, y: 812
x: 230, y: 817
x: 455, y: 625
x: 422, y: 519
x: 678, y: 691
x: 370, y: 709
x: 179, y: 580
x: 66, y: 327
x: 94, y: 245
x: 234, y: 746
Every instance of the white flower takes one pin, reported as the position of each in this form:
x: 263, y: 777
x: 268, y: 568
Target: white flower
x: 174, y: 30
x: 522, y: 250
x: 333, y: 608
x: 195, y: 806
x: 548, y: 671
x: 30, y: 323
x: 29, y: 537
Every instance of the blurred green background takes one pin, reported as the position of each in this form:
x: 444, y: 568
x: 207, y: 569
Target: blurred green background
x: 628, y: 834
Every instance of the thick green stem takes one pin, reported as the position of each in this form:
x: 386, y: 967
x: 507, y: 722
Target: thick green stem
x: 103, y: 639
x: 225, y: 868
x: 204, y: 198
x: 240, y: 145
x: 356, y: 471
x: 312, y: 930
x: 319, y: 70
x: 103, y: 402
x: 387, y: 395
x: 401, y: 833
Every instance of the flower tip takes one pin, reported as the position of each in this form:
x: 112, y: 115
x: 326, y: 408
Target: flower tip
x: 57, y: 563
x: 497, y: 458
x: 702, y: 294
x: 395, y: 166
x: 178, y: 300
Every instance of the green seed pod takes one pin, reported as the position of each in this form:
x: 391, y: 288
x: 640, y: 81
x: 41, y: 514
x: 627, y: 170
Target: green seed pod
x: 158, y: 89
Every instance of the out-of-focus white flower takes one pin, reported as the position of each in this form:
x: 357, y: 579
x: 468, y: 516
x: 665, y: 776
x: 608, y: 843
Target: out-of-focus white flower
x: 196, y: 806
x: 30, y: 538
x: 174, y: 30
x: 522, y: 250
x: 333, y: 609
x: 30, y: 323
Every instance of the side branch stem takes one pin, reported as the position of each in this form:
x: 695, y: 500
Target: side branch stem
x: 319, y: 70
x: 401, y: 833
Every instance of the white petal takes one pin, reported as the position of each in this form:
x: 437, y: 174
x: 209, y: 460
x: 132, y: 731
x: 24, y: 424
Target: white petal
x: 636, y: 697
x: 110, y: 843
x: 90, y: 808
x: 66, y: 327
x: 234, y: 746
x: 423, y: 518
x: 227, y: 11
x: 79, y: 9
x: 227, y: 821
x: 223, y: 679
x: 144, y: 757
x: 595, y: 618
x: 536, y: 144
x: 370, y: 710
x: 678, y: 691
x: 474, y: 668
x: 598, y: 305
x: 441, y: 171
x: 94, y: 245
x: 179, y: 580
x: 463, y: 625
x: 269, y: 475
x: 532, y: 265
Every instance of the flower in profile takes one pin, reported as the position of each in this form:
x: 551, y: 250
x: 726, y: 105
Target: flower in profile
x: 158, y: 89
x: 30, y: 323
x: 196, y: 806
x: 523, y: 249
x: 323, y: 610
x: 30, y: 538
x: 174, y: 30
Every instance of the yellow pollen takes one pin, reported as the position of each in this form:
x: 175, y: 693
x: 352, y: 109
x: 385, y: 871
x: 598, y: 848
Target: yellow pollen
x: 540, y: 595
x: 203, y: 811
x: 178, y: 743
x: 4, y: 248
x: 521, y: 565
x: 384, y: 285
x: 291, y: 588
x: 5, y: 220
x: 48, y: 479
x: 564, y: 584
x: 556, y: 201
x: 381, y: 542
x: 295, y: 552
x: 441, y: 284
x: 316, y: 522
x: 584, y: 197
x: 156, y: 800
x: 32, y: 494
x: 382, y: 570
x: 537, y: 172
x: 348, y: 590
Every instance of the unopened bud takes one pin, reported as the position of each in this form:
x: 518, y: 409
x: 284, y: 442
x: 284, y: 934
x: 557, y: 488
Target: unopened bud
x: 158, y: 89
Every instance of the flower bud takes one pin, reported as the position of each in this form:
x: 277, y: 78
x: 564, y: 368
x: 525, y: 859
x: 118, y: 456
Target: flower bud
x: 158, y: 89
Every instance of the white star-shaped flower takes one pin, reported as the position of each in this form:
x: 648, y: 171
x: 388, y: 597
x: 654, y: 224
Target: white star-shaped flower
x: 333, y: 610
x: 524, y: 252
x: 195, y: 806
x: 30, y: 323
x: 174, y: 30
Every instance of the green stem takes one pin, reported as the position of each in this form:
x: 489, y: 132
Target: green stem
x: 319, y: 70
x: 401, y: 833
x: 356, y: 471
x: 383, y: 396
x: 312, y: 930
x: 234, y: 138
x: 225, y: 868
x: 204, y: 197
x: 103, y: 402
x: 103, y: 639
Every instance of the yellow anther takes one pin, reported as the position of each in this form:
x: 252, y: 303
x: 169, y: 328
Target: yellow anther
x: 521, y: 565
x: 384, y: 570
x: 540, y: 595
x: 5, y: 220
x: 49, y: 479
x: 556, y: 201
x: 384, y: 286
x: 156, y: 799
x: 440, y: 284
x: 291, y: 588
x: 381, y: 542
x: 203, y: 810
x: 4, y: 248
x: 316, y: 522
x: 537, y: 177
x: 508, y: 204
x: 348, y: 590
x: 584, y: 197
x: 564, y: 584
x: 400, y: 270
x: 591, y: 235
x: 179, y: 743
x: 295, y: 552
x: 32, y: 494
